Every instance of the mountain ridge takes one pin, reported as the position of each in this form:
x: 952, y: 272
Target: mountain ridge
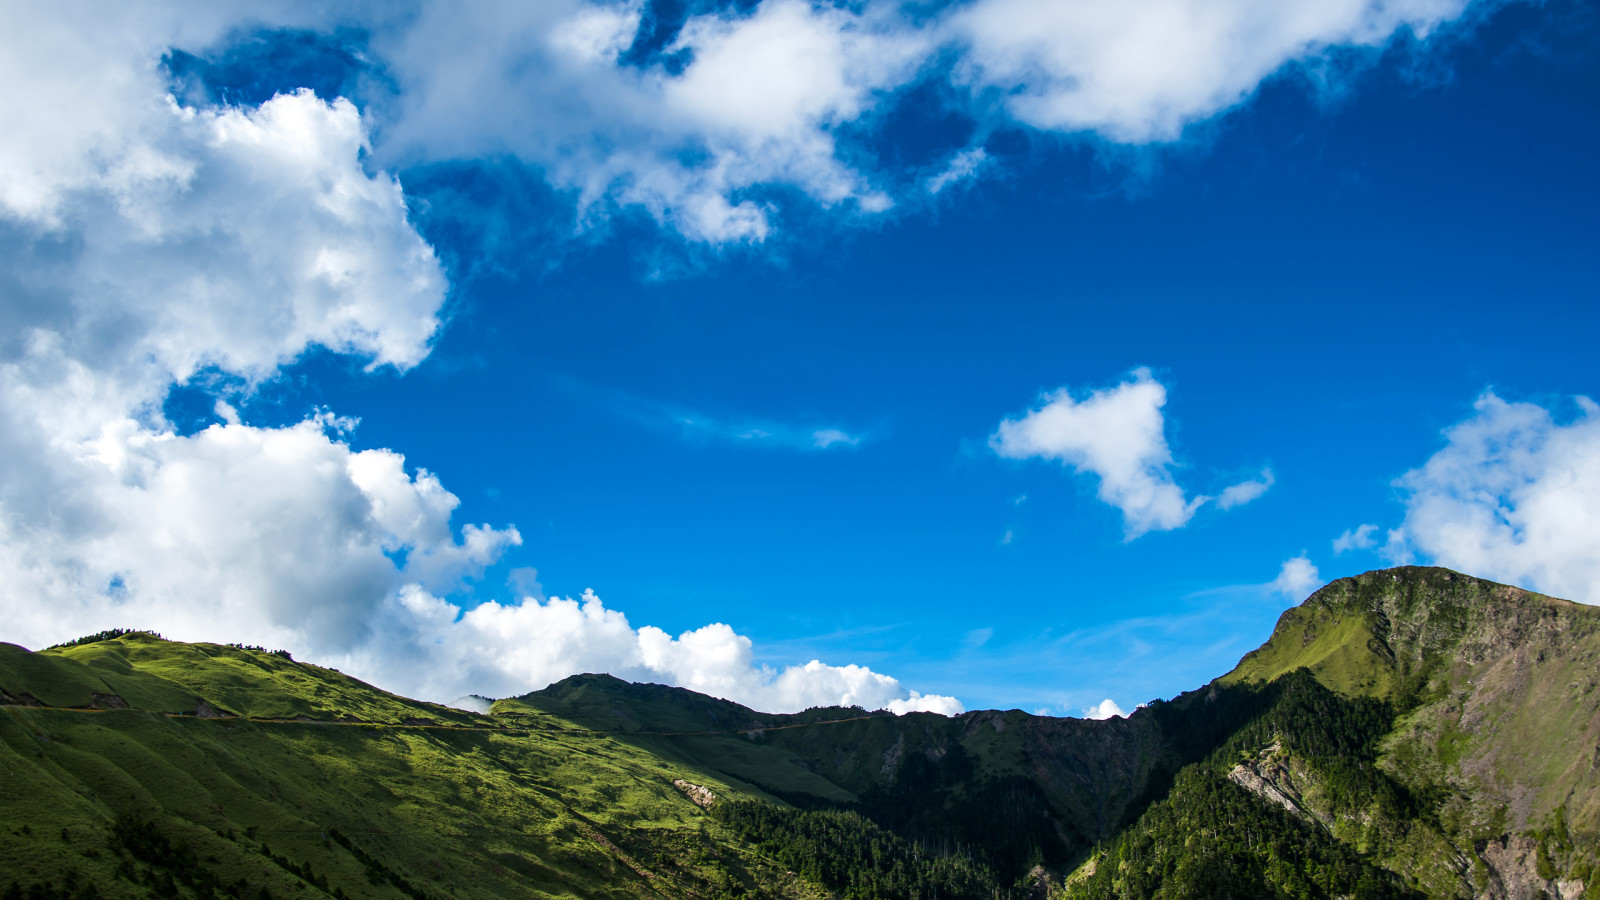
x: 1404, y: 732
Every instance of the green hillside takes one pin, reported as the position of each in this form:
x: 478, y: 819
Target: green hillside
x: 357, y: 797
x: 1406, y: 733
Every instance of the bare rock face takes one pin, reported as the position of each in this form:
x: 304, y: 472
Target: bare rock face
x: 1514, y: 873
x: 107, y: 701
x: 1271, y: 779
x: 699, y: 795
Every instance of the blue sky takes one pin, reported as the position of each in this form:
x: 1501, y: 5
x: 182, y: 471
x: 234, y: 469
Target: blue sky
x: 741, y: 368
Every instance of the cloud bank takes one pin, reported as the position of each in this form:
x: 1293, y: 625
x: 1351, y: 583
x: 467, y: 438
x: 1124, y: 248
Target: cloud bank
x: 717, y: 126
x: 788, y: 93
x: 1514, y: 496
x: 1117, y: 435
x: 512, y: 648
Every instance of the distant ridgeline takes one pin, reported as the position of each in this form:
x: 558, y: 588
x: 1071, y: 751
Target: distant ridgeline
x: 1405, y: 733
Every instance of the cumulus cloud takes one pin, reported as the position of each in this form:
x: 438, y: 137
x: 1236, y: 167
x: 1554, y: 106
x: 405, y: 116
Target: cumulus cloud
x: 1514, y: 495
x: 1136, y: 73
x: 280, y: 532
x: 516, y: 647
x: 1118, y: 435
x: 1358, y: 539
x: 162, y: 241
x: 1105, y: 709
x: 1296, y: 579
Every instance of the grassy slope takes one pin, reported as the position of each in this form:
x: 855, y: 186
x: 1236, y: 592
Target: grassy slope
x: 166, y: 676
x: 492, y: 812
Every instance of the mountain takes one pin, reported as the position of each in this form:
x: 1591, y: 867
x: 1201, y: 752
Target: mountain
x: 1410, y: 732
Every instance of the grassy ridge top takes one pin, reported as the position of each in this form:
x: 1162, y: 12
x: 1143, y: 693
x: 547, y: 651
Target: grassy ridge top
x: 143, y: 671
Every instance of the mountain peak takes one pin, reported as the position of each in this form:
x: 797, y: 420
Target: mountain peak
x: 1388, y: 632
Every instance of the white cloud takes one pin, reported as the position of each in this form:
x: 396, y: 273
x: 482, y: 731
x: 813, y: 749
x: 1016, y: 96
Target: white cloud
x: 1118, y: 435
x: 504, y: 649
x: 149, y: 244
x: 1105, y: 709
x: 1140, y: 72
x: 1296, y: 579
x: 786, y: 94
x: 1513, y: 496
x: 1359, y: 539
x: 757, y: 104
x: 767, y: 92
x: 598, y: 33
x: 144, y: 270
x: 235, y: 532
x: 1245, y: 491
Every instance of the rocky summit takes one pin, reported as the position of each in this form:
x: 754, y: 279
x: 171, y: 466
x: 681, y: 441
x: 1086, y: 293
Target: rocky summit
x: 1410, y: 732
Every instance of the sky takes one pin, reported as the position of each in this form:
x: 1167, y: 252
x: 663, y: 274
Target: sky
x: 914, y: 355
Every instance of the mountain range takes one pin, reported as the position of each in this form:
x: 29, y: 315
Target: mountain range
x: 1409, y: 732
